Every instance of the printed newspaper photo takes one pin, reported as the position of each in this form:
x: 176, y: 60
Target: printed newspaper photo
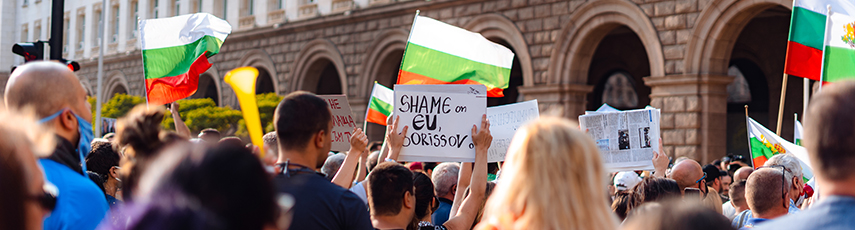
x: 626, y: 139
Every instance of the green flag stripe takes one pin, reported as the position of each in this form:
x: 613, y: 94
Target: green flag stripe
x: 839, y: 64
x: 759, y: 149
x: 807, y: 27
x: 176, y: 60
x: 380, y: 106
x: 449, y: 68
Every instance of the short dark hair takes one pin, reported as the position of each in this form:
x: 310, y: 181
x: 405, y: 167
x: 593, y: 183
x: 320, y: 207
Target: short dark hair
x: 102, y: 158
x: 270, y: 140
x: 654, y: 189
x: 299, y: 116
x: 830, y: 131
x: 424, y: 194
x: 388, y: 183
x: 737, y: 192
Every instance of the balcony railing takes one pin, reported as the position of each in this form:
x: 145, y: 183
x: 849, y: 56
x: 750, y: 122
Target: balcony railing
x: 276, y: 16
x: 246, y: 22
x: 379, y: 2
x: 339, y: 6
x: 308, y: 10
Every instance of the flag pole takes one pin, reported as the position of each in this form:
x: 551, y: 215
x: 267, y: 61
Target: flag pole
x: 100, y: 76
x: 781, y: 105
x: 805, y: 97
x: 824, y: 41
x: 748, y: 135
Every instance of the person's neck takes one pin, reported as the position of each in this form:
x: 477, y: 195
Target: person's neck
x: 301, y: 157
x: 844, y: 187
x: 391, y: 222
x: 448, y: 196
x: 771, y: 214
x: 110, y: 187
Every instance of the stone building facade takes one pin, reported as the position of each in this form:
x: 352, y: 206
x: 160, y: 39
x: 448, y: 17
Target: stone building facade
x: 571, y: 55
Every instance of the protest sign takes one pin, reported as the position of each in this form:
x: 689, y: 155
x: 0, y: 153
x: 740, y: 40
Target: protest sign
x: 626, y: 139
x: 504, y: 122
x: 440, y: 120
x: 342, y: 118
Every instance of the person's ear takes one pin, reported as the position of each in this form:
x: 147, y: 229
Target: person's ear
x: 114, y: 172
x: 454, y: 190
x: 320, y: 138
x: 409, y: 200
x: 68, y: 121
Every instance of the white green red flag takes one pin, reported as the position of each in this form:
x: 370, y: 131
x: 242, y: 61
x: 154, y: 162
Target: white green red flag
x: 839, y: 48
x: 380, y: 105
x: 764, y: 144
x: 807, y: 30
x: 175, y: 52
x: 798, y: 133
x: 439, y: 53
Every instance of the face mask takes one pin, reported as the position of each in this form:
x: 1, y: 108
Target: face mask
x: 800, y: 200
x: 86, y: 136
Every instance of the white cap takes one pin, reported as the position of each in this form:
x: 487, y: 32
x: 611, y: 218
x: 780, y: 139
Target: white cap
x: 626, y: 180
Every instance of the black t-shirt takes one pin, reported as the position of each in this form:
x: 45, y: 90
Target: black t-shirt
x: 322, y: 205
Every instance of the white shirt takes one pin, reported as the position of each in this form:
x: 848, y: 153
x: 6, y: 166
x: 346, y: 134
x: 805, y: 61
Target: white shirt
x: 728, y: 210
x: 359, y: 190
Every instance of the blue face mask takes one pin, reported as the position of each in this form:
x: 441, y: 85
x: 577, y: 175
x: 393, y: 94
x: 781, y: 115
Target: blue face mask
x: 86, y: 136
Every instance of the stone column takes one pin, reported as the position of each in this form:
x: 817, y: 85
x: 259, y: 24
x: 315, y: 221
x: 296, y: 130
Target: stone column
x: 694, y: 113
x: 567, y: 100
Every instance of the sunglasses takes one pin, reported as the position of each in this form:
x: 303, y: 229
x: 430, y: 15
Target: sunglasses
x: 47, y: 198
x: 702, y: 187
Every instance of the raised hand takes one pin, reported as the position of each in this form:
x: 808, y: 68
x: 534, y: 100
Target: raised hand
x: 660, y: 161
x: 358, y: 141
x: 395, y: 139
x: 482, y: 138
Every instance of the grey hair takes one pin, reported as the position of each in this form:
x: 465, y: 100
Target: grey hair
x: 791, y: 163
x: 332, y: 164
x: 444, y: 176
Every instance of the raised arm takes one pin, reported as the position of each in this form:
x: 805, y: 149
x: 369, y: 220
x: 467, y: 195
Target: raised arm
x: 478, y: 183
x: 344, y: 176
x: 180, y: 127
x: 660, y: 161
x: 464, y: 177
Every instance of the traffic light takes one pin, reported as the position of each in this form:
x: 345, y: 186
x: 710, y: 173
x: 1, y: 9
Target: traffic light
x: 72, y: 65
x: 31, y: 51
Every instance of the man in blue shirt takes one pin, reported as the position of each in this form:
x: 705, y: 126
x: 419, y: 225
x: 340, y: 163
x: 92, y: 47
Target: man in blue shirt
x: 830, y: 133
x: 53, y: 91
x: 303, y: 123
x: 766, y: 196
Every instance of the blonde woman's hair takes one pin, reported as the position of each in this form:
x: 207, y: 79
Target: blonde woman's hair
x: 553, y: 178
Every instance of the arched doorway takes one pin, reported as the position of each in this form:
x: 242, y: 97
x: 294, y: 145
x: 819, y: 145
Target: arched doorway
x: 117, y: 89
x: 617, y: 67
x: 757, y: 64
x: 264, y: 82
x: 207, y: 89
x: 322, y: 78
x: 386, y: 75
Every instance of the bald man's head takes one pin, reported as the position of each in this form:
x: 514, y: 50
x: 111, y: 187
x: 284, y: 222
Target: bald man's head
x: 764, y: 193
x: 742, y: 173
x: 47, y: 87
x: 686, y: 173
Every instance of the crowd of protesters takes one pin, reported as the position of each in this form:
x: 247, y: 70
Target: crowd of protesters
x: 54, y: 174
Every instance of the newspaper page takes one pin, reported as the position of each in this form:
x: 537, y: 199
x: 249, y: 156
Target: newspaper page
x: 626, y: 139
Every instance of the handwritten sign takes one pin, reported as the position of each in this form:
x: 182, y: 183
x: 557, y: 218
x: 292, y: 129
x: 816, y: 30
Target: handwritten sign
x: 504, y: 122
x: 342, y: 118
x: 440, y: 122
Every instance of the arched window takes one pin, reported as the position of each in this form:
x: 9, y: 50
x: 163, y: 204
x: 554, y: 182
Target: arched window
x: 738, y: 91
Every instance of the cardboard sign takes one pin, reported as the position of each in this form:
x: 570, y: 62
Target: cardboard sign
x: 440, y: 120
x: 108, y: 125
x: 342, y: 118
x: 504, y: 122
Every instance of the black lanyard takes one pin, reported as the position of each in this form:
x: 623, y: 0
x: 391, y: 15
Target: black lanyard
x: 300, y: 168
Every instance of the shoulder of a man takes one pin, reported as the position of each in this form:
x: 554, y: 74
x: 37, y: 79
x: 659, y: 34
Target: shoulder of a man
x: 80, y: 203
x: 833, y: 212
x: 354, y: 211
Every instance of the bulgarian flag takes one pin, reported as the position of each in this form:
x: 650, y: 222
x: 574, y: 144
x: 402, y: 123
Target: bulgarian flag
x: 175, y: 52
x: 839, y: 48
x: 439, y: 53
x: 807, y: 30
x: 764, y: 144
x: 380, y: 105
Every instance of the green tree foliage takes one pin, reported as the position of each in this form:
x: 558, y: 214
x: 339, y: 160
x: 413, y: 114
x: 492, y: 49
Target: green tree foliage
x: 266, y: 107
x: 117, y: 106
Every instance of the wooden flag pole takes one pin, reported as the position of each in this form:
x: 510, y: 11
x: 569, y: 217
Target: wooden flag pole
x: 748, y: 135
x: 780, y: 106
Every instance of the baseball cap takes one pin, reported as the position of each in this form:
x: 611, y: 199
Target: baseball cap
x: 626, y: 180
x: 712, y: 173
